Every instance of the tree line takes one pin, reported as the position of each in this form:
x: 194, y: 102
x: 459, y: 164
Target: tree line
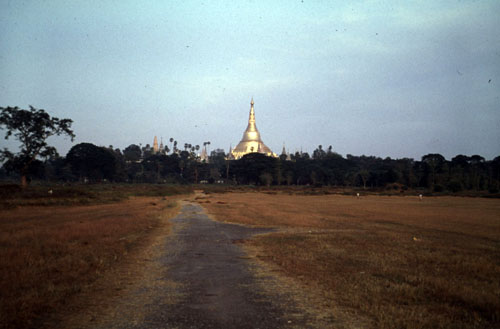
x: 86, y: 162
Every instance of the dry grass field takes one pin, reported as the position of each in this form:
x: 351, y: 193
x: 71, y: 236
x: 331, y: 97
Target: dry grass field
x: 396, y: 261
x: 50, y: 254
x: 12, y: 195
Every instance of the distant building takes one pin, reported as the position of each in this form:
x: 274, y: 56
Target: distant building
x: 155, y: 145
x: 285, y: 154
x: 230, y: 155
x: 251, y: 141
x: 204, y: 154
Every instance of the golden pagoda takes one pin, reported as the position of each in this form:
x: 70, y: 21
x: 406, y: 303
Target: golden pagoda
x: 251, y: 142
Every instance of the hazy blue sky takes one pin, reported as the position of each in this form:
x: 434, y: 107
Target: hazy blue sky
x: 384, y: 78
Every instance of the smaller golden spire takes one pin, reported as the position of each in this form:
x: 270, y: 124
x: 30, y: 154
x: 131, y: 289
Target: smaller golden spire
x: 155, y: 145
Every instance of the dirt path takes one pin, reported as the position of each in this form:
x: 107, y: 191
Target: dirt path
x: 206, y: 282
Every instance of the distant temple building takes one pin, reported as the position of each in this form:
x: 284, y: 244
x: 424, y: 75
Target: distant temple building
x: 251, y: 142
x: 285, y: 155
x: 155, y: 145
x: 204, y: 154
x: 158, y: 149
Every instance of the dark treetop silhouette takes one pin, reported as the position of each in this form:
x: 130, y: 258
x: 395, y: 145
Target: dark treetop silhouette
x: 31, y: 128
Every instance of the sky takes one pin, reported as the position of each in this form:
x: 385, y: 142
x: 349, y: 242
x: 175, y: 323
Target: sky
x: 384, y: 78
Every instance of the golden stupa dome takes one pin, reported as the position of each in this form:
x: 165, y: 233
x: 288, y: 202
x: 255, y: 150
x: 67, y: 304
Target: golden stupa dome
x: 251, y: 141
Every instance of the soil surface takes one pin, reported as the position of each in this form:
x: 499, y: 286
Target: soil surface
x: 206, y: 281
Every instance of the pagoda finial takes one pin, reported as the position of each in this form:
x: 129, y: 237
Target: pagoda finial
x: 251, y: 118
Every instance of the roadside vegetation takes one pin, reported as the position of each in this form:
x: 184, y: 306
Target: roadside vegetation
x: 397, y: 261
x: 56, y: 246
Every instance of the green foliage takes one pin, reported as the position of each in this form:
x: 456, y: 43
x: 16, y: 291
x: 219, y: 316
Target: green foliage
x: 31, y: 128
x: 132, y: 153
x: 88, y: 162
x: 454, y: 186
x: 266, y: 179
x: 93, y: 163
x: 250, y: 168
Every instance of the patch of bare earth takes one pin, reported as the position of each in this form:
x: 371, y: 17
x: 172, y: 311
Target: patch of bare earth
x: 378, y: 262
x: 62, y: 266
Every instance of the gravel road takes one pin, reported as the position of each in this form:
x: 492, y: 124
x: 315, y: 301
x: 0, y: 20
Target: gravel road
x: 208, y: 282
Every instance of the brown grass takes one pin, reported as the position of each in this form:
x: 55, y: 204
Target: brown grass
x: 399, y: 262
x: 50, y: 254
x: 12, y: 196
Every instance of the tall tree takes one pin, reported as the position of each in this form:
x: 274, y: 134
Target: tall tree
x: 319, y: 153
x: 435, y: 162
x: 132, y: 153
x: 364, y: 175
x: 31, y: 128
x: 91, y: 162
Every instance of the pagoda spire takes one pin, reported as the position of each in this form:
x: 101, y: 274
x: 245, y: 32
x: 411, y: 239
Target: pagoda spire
x: 251, y: 118
x: 155, y: 145
x: 251, y: 141
x: 251, y: 133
